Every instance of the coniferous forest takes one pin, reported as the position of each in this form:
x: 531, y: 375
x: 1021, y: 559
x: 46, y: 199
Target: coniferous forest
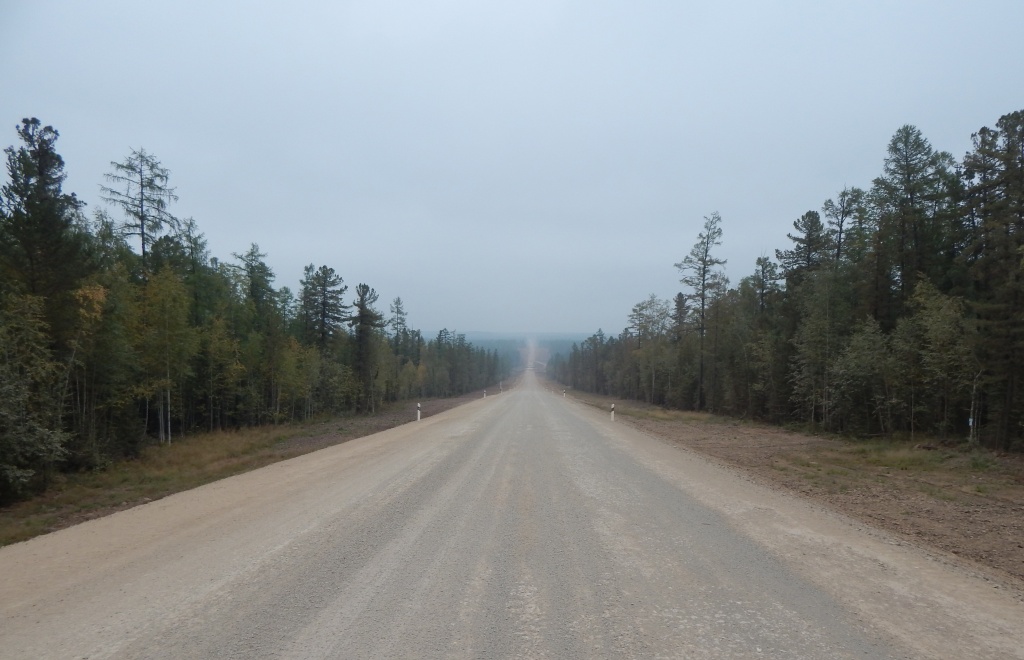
x: 118, y: 329
x: 892, y: 309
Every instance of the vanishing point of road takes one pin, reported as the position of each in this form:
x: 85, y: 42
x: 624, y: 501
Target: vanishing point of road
x: 521, y: 525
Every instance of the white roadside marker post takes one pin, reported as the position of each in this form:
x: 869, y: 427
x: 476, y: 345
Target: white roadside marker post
x: 613, y: 412
x: 563, y: 393
x: 417, y: 412
x: 485, y: 394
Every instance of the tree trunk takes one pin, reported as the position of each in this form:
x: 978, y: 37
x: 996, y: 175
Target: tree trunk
x: 160, y: 417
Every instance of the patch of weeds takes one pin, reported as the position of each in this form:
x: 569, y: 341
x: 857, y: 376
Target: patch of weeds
x: 908, y: 458
x: 980, y: 462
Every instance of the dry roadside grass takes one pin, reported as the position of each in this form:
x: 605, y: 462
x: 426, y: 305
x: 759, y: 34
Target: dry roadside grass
x: 968, y: 503
x: 190, y: 462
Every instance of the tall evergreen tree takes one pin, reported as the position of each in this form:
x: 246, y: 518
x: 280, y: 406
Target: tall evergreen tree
x: 700, y: 271
x: 321, y: 306
x: 912, y: 200
x: 366, y: 321
x: 846, y: 210
x: 811, y: 249
x: 995, y: 198
x: 43, y: 243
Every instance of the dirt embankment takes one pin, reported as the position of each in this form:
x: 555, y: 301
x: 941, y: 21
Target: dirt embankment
x: 968, y: 503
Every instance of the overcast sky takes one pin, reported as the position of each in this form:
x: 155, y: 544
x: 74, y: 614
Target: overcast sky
x: 515, y: 166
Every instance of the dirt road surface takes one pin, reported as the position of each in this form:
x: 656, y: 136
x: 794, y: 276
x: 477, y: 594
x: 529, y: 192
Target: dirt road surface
x: 520, y: 525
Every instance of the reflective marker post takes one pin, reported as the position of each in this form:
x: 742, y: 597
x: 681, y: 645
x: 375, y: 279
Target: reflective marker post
x: 563, y: 394
x: 613, y: 412
x: 417, y: 412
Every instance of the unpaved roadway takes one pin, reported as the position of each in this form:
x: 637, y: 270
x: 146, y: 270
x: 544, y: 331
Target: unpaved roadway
x: 520, y: 525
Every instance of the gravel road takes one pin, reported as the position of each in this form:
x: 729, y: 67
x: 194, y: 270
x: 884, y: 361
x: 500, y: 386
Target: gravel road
x: 520, y: 525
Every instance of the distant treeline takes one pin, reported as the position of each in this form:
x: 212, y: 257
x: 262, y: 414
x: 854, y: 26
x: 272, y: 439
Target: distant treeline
x: 121, y: 329
x: 895, y: 309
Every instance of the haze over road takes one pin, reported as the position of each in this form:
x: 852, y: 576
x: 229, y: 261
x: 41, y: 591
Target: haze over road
x: 520, y: 525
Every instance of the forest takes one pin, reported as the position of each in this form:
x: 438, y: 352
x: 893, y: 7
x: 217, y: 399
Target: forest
x: 120, y: 330
x: 896, y: 309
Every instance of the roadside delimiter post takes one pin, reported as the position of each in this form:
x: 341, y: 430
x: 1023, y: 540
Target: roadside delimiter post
x: 417, y: 412
x: 613, y: 412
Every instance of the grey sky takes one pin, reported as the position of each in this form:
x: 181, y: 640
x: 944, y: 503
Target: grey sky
x: 517, y: 166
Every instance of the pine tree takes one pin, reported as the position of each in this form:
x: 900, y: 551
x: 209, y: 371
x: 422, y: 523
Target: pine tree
x: 43, y: 242
x: 366, y: 321
x: 811, y: 249
x: 846, y: 210
x: 912, y: 202
x: 321, y: 307
x: 994, y: 171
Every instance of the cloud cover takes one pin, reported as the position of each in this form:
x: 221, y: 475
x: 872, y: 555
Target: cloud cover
x: 527, y: 166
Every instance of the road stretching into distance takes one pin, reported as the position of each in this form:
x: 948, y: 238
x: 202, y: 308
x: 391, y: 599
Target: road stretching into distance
x: 520, y: 525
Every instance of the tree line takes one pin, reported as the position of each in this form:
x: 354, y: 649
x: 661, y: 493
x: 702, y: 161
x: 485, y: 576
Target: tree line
x: 121, y: 329
x: 894, y: 309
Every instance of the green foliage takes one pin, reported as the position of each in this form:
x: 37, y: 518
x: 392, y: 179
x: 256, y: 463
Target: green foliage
x: 104, y: 351
x: 900, y: 314
x: 649, y: 324
x: 700, y: 271
x: 43, y: 245
x: 812, y: 247
x: 31, y: 440
x: 321, y: 308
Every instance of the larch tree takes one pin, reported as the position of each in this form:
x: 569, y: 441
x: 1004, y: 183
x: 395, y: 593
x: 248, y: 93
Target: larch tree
x: 701, y: 271
x: 139, y: 188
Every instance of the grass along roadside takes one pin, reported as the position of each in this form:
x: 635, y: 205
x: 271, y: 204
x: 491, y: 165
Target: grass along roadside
x: 188, y: 463
x: 966, y: 502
